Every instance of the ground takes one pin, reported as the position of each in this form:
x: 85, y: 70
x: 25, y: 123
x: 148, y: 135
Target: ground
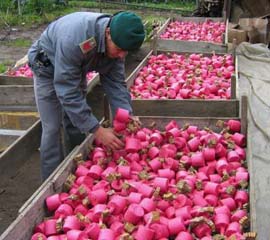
x: 16, y: 189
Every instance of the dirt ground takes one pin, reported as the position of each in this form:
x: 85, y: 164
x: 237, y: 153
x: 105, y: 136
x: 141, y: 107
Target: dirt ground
x: 15, y: 190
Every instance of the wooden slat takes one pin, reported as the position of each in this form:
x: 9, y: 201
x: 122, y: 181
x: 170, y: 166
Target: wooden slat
x: 163, y: 27
x: 201, y: 122
x: 133, y: 75
x: 17, y: 120
x: 186, y: 108
x: 197, y: 19
x: 190, y: 46
x: 8, y: 80
x: 20, y: 150
x: 17, y: 95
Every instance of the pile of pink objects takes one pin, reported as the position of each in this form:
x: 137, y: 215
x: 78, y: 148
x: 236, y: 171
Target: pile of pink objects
x: 181, y: 183
x: 25, y: 71
x: 208, y: 31
x: 177, y: 76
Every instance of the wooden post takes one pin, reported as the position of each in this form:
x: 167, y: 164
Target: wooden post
x: 243, y: 116
x: 154, y: 43
x: 233, y: 87
x: 19, y: 7
x: 100, y: 8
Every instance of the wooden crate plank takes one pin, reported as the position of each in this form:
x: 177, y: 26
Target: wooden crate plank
x: 201, y: 122
x: 198, y: 19
x: 8, y: 80
x: 190, y: 46
x: 186, y: 108
x: 17, y: 120
x: 133, y: 75
x: 17, y: 95
x: 19, y: 150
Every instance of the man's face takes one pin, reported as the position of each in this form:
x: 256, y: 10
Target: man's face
x: 112, y: 50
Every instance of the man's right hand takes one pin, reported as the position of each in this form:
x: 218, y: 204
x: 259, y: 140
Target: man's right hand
x: 108, y: 138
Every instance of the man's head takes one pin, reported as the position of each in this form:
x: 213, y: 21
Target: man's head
x: 125, y: 33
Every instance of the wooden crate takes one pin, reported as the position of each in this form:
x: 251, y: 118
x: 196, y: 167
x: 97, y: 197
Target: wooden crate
x: 17, y: 93
x: 190, y: 46
x: 34, y: 210
x: 185, y: 107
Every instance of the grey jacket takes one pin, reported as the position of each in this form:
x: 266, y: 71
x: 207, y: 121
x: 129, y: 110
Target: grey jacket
x: 61, y: 42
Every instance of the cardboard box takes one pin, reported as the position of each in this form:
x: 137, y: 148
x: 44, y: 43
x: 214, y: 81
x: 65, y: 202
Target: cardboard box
x: 239, y: 34
x: 257, y: 29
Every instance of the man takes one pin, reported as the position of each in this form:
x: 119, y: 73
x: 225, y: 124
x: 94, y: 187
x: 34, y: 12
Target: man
x: 69, y: 48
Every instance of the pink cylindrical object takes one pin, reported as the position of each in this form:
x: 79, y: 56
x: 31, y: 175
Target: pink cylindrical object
x: 63, y: 210
x: 239, y: 139
x: 211, y: 199
x: 238, y: 214
x: 117, y: 228
x: 50, y: 227
x: 241, y: 197
x: 229, y: 202
x: 53, y: 202
x: 133, y: 145
x: 211, y: 188
x: 193, y: 144
x: 162, y: 183
x: 153, y: 152
x: 106, y: 234
x: 145, y: 190
x: 117, y: 204
x: 209, y: 154
x: 148, y: 204
x: 155, y: 164
x: 38, y: 236
x: 184, y: 236
x: 176, y: 225
x: 233, y: 227
x: 134, y: 197
x: 76, y: 235
x: 71, y: 223
x: 119, y: 126
x: 125, y: 171
x: 122, y: 115
x: 166, y: 173
x: 202, y: 230
x: 93, y: 230
x: 197, y: 160
x: 232, y: 156
x: 81, y: 171
x: 134, y: 213
x: 95, y: 171
x: 144, y: 233
x: 161, y: 230
x: 98, y: 196
x: 221, y: 221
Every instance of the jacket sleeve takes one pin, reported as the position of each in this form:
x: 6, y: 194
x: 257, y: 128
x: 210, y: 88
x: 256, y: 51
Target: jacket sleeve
x: 67, y: 82
x: 115, y: 87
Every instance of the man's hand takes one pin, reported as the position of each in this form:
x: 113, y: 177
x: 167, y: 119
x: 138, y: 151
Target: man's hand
x: 108, y: 138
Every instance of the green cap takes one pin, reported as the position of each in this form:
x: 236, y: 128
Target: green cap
x: 127, y: 31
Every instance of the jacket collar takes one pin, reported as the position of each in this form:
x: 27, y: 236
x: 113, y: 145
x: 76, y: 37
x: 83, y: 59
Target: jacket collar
x: 100, y: 28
